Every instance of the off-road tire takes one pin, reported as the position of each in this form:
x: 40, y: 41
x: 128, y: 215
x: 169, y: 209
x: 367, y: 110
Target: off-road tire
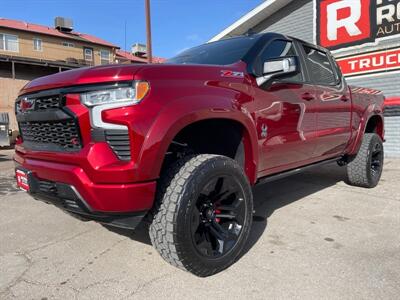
x: 359, y: 170
x: 177, y: 192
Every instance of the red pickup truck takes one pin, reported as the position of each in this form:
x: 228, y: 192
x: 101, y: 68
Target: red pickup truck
x: 183, y: 142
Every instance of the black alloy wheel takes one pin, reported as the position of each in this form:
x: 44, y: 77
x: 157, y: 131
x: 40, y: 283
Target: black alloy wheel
x: 218, y: 217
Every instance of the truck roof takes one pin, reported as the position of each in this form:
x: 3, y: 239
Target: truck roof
x: 274, y: 35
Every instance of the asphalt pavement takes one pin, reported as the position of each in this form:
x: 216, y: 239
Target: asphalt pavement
x: 314, y: 237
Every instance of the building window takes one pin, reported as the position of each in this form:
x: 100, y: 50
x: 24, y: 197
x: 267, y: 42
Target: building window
x: 104, y: 57
x: 68, y: 44
x: 88, y: 54
x: 9, y: 42
x: 37, y: 44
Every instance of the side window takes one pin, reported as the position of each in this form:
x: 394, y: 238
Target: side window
x: 88, y: 54
x: 37, y: 44
x: 319, y: 67
x: 104, y: 57
x: 9, y: 42
x: 280, y: 48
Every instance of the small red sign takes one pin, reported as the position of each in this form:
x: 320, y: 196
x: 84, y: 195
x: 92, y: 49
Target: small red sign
x: 22, y: 180
x: 387, y: 60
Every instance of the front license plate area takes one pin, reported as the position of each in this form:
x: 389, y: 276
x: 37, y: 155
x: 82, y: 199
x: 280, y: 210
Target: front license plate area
x: 22, y: 179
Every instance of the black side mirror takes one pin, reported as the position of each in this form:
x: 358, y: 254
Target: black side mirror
x: 279, y: 67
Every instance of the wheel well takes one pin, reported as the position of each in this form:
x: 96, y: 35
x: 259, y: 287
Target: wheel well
x: 375, y: 125
x: 213, y: 136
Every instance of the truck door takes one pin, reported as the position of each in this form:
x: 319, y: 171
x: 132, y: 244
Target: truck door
x: 285, y: 116
x: 333, y: 103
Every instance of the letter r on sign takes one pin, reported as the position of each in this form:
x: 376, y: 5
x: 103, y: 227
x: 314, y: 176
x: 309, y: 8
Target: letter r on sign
x: 341, y: 22
x: 349, y: 22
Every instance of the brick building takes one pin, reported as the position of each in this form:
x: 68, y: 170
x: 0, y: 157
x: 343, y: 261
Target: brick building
x: 28, y: 51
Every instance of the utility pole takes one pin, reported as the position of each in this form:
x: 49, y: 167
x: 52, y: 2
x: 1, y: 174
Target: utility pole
x: 125, y: 36
x: 148, y: 32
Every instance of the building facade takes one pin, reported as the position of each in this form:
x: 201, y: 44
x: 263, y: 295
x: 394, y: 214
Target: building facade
x: 125, y: 57
x: 363, y: 35
x: 29, y: 51
x: 61, y: 46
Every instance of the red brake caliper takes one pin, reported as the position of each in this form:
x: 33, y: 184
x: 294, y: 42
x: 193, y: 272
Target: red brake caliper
x: 217, y: 211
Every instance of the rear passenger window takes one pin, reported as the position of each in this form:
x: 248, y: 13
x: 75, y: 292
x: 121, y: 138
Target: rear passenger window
x: 280, y: 48
x: 319, y: 66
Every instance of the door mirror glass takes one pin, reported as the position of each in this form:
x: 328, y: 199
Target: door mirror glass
x: 279, y: 68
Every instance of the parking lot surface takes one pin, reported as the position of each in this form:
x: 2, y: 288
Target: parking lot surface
x: 314, y: 237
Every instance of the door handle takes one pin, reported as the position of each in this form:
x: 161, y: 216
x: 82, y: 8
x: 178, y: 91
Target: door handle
x: 344, y: 98
x: 307, y: 96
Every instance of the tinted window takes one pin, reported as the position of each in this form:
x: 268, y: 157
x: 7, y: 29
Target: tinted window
x: 223, y: 52
x: 280, y: 48
x: 319, y: 66
x: 277, y: 49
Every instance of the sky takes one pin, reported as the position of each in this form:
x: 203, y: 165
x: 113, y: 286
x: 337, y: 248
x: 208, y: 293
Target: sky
x: 176, y: 24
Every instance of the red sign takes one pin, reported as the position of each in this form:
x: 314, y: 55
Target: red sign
x: 344, y: 23
x: 370, y: 63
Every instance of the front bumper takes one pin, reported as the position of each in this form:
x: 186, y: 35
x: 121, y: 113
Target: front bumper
x: 68, y: 198
x: 69, y: 187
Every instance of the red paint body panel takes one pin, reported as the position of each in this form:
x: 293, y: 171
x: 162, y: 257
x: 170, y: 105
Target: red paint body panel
x: 333, y: 120
x: 91, y: 75
x: 290, y: 122
x: 304, y: 124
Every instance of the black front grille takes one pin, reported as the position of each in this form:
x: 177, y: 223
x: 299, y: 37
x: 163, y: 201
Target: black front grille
x: 41, y: 103
x: 47, y: 102
x: 60, y: 194
x: 119, y: 142
x: 55, y: 135
x: 47, y: 187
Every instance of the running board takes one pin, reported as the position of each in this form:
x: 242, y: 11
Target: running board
x: 295, y: 171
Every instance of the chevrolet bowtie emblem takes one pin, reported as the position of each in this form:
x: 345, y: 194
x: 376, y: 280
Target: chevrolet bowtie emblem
x: 26, y: 104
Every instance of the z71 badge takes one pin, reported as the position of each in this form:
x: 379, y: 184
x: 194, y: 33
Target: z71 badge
x: 233, y: 74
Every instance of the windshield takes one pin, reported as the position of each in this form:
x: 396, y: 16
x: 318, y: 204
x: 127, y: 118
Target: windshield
x: 223, y: 52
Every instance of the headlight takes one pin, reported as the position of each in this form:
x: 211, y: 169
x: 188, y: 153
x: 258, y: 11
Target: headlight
x: 133, y: 95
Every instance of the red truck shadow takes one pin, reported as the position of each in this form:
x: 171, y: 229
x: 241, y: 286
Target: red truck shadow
x: 268, y: 198
x: 271, y: 196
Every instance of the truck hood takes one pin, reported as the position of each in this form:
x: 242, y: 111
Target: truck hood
x: 109, y: 73
x: 113, y: 73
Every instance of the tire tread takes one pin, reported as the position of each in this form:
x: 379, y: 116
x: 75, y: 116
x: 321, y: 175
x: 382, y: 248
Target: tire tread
x: 163, y: 228
x: 358, y: 169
